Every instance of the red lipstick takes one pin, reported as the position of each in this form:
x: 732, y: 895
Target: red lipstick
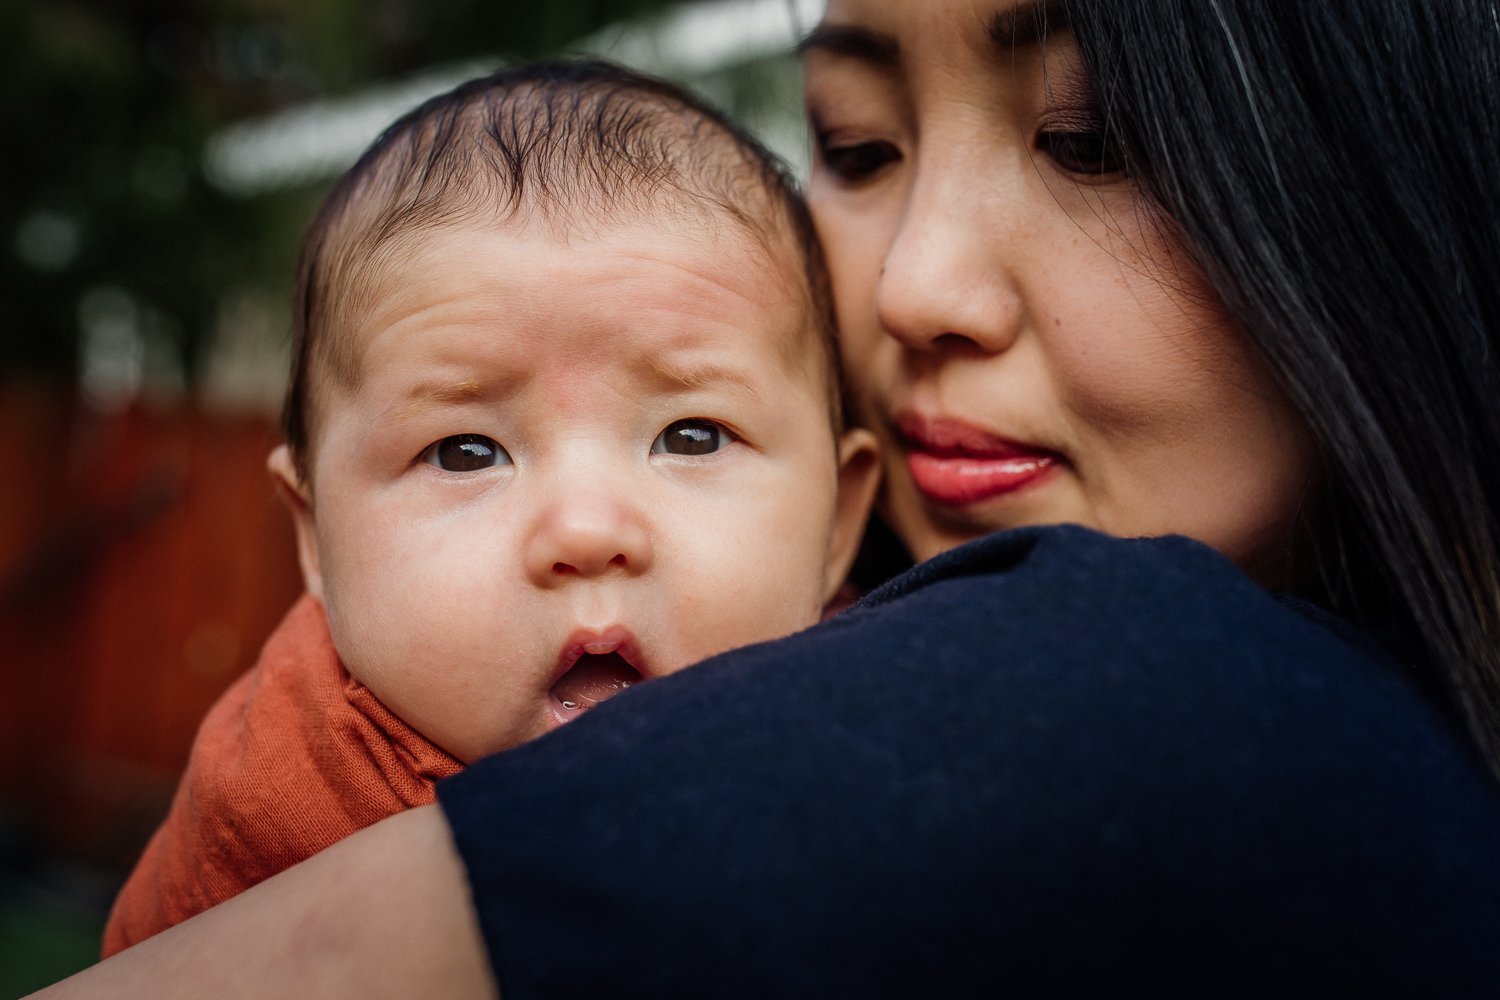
x: 956, y: 463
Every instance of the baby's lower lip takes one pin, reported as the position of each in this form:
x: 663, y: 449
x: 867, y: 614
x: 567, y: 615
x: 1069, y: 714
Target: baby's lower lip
x: 959, y: 479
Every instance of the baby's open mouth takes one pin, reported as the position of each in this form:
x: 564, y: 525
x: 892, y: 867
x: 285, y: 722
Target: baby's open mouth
x: 595, y: 678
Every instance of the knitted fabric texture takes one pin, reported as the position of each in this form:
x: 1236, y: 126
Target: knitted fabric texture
x: 296, y: 755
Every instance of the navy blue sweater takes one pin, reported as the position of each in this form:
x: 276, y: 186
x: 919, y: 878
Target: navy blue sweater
x: 1048, y: 761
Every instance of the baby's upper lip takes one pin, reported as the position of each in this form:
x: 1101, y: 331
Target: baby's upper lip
x: 952, y: 437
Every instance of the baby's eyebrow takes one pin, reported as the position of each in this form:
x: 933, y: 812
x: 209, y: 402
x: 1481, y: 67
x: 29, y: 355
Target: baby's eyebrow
x: 685, y: 378
x: 431, y: 393
x: 449, y: 392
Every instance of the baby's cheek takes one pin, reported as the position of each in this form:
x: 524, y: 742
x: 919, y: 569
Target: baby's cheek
x: 779, y: 594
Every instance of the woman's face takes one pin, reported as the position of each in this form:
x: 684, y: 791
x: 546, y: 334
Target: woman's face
x: 1019, y: 330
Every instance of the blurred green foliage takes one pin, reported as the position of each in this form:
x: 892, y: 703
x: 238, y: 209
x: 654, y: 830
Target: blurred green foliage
x: 107, y: 107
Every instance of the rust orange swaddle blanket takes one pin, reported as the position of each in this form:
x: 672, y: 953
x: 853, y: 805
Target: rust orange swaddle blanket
x: 293, y: 757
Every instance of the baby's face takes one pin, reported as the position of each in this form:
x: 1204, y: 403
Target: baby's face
x: 568, y: 466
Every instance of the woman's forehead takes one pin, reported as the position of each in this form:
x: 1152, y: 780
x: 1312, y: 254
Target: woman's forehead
x: 885, y: 32
x: 1015, y: 21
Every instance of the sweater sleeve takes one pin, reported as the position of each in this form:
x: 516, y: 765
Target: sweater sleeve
x: 1049, y: 760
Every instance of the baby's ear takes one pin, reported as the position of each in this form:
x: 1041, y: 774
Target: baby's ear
x: 298, y: 499
x: 859, y: 475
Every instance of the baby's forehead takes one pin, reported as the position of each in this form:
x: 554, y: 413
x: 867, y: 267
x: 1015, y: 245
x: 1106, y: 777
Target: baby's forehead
x: 756, y: 257
x: 742, y: 273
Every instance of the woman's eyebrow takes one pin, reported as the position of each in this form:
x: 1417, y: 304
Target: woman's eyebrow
x: 1027, y: 24
x: 857, y: 43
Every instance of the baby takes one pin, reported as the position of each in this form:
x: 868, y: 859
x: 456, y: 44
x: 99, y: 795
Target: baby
x: 562, y: 417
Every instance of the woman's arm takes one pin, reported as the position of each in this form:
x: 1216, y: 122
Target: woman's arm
x: 385, y: 913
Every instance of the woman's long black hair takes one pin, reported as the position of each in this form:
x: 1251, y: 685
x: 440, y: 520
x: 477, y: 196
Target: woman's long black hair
x: 1334, y: 168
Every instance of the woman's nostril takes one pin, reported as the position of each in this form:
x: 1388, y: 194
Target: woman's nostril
x: 953, y: 342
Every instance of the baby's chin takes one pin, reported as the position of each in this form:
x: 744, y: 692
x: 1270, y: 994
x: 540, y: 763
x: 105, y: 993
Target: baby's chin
x: 468, y: 731
x: 574, y: 695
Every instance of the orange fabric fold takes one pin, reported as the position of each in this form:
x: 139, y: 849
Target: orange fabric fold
x: 294, y: 756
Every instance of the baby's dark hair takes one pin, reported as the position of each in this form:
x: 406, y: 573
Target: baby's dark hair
x: 570, y: 145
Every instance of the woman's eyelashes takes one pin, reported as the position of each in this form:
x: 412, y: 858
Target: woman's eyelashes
x: 1083, y: 150
x: 466, y: 453
x: 1090, y: 152
x: 694, y: 436
x: 853, y: 162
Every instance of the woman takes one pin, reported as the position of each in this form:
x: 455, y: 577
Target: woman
x: 1152, y: 266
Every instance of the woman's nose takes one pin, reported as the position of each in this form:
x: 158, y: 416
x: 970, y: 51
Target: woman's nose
x: 947, y: 281
x: 587, y: 533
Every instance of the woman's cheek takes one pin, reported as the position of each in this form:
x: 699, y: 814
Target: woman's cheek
x: 860, y: 335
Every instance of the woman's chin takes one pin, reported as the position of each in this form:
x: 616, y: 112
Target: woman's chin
x: 926, y: 535
x: 932, y: 524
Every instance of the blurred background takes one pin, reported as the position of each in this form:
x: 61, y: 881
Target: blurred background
x: 163, y: 158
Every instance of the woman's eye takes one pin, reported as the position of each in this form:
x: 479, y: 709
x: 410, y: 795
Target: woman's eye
x: 691, y: 437
x: 857, y: 161
x: 465, y: 453
x: 1088, y: 153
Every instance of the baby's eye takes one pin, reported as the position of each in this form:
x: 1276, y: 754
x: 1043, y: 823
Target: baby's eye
x: 465, y: 453
x: 1087, y: 152
x: 694, y: 436
x: 856, y: 161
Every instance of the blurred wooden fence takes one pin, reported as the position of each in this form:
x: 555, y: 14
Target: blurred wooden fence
x: 144, y: 558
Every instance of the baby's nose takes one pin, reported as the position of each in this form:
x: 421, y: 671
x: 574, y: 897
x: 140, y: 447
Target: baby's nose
x: 587, y: 534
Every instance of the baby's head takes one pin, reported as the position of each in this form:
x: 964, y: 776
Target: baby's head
x: 563, y: 410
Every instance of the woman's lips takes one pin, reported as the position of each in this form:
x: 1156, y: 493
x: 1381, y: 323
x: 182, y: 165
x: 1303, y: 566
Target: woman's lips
x: 956, y: 463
